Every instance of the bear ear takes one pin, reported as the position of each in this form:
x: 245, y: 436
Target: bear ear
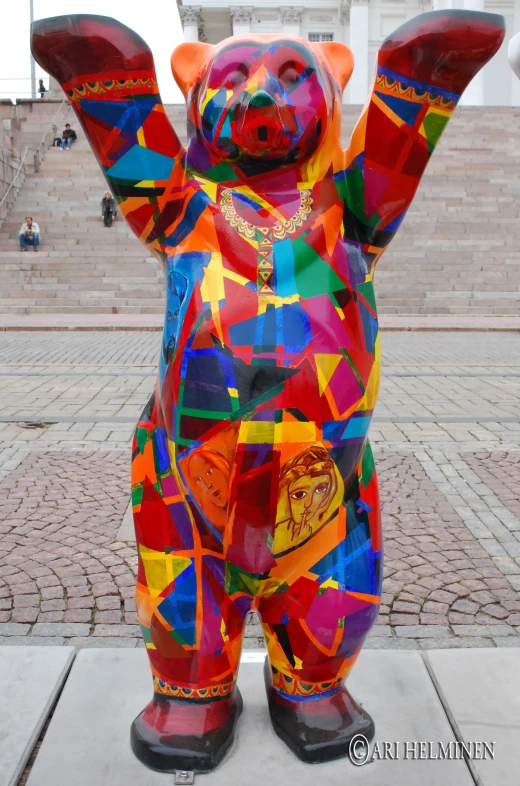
x: 340, y: 60
x: 186, y: 62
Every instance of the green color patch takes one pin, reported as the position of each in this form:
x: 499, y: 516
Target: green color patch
x: 262, y: 361
x: 221, y: 173
x: 237, y: 580
x: 351, y: 189
x: 367, y: 465
x: 141, y: 437
x: 177, y: 637
x: 434, y: 124
x: 366, y: 290
x: 312, y: 274
x: 137, y: 494
x: 147, y: 635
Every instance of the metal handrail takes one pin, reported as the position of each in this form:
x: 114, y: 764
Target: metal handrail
x: 14, y: 178
x: 51, y: 125
x: 36, y: 150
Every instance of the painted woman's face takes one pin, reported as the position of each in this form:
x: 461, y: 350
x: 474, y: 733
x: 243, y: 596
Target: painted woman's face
x: 210, y: 483
x: 307, y: 495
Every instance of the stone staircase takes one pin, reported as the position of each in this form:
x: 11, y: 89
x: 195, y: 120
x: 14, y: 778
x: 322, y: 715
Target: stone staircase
x: 457, y: 253
x: 458, y: 250
x: 82, y: 266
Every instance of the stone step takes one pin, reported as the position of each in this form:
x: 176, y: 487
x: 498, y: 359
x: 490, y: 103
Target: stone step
x: 458, y: 251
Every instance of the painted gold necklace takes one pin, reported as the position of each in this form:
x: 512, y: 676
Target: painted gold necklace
x: 264, y: 237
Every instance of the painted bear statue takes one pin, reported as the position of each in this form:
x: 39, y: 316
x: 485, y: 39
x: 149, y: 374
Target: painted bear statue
x: 253, y: 483
x: 513, y: 53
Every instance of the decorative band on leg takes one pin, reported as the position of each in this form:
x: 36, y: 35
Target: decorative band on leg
x: 294, y: 690
x: 211, y: 693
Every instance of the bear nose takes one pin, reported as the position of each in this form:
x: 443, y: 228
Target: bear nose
x: 261, y: 99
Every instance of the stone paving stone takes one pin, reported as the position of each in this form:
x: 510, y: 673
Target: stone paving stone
x: 33, y: 641
x: 102, y: 641
x: 422, y: 631
x: 456, y: 642
x: 59, y: 629
x: 13, y: 629
x: 385, y: 643
x: 507, y: 641
x: 484, y: 630
x: 117, y: 630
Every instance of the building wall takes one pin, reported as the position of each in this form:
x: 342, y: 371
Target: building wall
x: 362, y: 24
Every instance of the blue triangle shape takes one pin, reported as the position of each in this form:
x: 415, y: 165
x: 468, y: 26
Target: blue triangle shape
x: 141, y: 164
x: 127, y: 115
x: 406, y: 110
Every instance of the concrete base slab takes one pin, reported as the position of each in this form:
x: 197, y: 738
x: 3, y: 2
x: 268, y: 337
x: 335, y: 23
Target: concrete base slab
x: 482, y: 691
x: 88, y: 739
x: 30, y: 679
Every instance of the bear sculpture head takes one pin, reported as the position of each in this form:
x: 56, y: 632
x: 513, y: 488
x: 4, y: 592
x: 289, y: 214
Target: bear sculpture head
x: 263, y: 96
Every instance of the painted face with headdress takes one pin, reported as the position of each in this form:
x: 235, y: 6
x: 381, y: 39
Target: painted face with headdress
x: 207, y: 475
x: 310, y: 489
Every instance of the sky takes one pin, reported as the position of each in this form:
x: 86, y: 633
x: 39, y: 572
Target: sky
x: 162, y: 30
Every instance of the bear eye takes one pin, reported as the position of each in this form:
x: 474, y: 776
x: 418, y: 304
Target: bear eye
x: 238, y: 75
x: 288, y: 75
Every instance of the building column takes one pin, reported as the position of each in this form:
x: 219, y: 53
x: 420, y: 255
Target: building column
x: 515, y: 90
x: 190, y: 18
x: 474, y: 93
x: 241, y: 16
x: 291, y: 20
x: 54, y: 93
x: 358, y: 85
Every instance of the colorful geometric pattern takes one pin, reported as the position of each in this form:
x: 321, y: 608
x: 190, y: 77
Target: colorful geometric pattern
x: 253, y: 482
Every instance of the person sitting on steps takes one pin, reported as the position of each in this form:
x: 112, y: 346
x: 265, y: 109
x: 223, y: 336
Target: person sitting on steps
x: 68, y: 137
x: 29, y: 234
x: 108, y: 209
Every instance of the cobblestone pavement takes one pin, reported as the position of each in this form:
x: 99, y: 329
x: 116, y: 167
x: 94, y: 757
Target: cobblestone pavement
x: 447, y: 441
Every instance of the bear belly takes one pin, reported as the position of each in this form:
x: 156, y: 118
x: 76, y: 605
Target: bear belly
x: 271, y: 420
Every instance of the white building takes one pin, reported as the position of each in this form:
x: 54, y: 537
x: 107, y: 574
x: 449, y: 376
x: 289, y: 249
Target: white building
x: 362, y: 24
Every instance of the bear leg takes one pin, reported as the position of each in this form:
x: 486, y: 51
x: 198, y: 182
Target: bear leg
x: 317, y: 621
x: 173, y: 734
x: 321, y: 729
x: 191, y: 626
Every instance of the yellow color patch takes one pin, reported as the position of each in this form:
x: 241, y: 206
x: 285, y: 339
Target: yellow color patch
x: 326, y: 365
x: 161, y: 569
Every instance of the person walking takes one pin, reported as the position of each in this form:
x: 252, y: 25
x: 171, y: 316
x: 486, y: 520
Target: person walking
x: 108, y: 209
x: 29, y: 234
x: 41, y: 88
x: 68, y: 137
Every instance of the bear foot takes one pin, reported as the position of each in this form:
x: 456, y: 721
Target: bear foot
x: 173, y: 734
x: 319, y: 730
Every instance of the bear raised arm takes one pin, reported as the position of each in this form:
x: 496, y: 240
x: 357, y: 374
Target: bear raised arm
x: 107, y: 72
x: 422, y: 70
